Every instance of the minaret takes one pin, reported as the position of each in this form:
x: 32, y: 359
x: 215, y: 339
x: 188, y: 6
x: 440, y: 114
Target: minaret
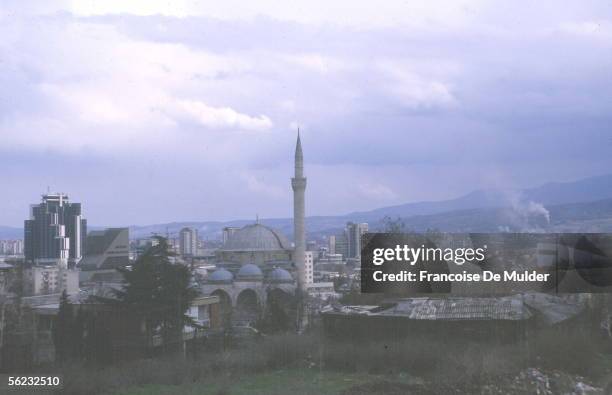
x: 298, y: 183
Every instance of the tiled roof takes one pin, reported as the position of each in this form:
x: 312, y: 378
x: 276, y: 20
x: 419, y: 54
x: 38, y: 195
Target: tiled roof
x: 449, y: 309
x: 504, y: 308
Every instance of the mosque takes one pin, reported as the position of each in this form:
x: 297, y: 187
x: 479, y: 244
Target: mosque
x: 258, y: 244
x: 258, y: 267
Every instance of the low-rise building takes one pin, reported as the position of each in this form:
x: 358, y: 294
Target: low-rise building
x: 479, y: 318
x: 335, y: 259
x: 106, y: 249
x: 54, y: 279
x: 323, y: 290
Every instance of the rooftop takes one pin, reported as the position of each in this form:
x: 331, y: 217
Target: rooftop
x: 450, y: 309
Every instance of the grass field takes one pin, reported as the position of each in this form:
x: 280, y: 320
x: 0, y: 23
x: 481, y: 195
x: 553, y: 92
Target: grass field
x: 291, y: 381
x: 312, y: 364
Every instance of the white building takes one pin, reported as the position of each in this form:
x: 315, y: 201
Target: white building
x: 188, y: 242
x: 45, y: 280
x: 228, y: 231
x: 323, y: 290
x: 11, y: 247
x: 331, y: 248
x: 353, y: 236
x: 308, y: 266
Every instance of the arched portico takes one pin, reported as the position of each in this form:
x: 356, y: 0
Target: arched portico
x: 225, y: 306
x: 248, y: 307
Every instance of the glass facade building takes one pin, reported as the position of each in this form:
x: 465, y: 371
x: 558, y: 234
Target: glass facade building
x: 55, y: 233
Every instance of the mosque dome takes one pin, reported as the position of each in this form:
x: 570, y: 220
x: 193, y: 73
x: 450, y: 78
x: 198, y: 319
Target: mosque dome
x: 279, y: 275
x: 221, y: 276
x: 249, y: 271
x: 256, y: 237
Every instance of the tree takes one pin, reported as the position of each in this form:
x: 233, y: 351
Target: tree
x: 280, y: 309
x: 391, y: 225
x: 62, y: 328
x: 17, y: 325
x: 160, y: 290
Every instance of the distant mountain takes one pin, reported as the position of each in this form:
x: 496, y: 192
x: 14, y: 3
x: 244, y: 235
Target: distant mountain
x: 481, y: 210
x: 585, y: 190
x: 572, y: 217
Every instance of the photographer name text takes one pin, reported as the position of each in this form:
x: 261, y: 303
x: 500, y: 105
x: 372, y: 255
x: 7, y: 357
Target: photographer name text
x: 484, y: 276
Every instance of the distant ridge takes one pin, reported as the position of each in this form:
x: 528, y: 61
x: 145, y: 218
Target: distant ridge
x: 574, y: 197
x: 420, y: 214
x: 584, y: 190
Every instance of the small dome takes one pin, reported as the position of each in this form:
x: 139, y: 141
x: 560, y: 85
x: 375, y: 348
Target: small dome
x: 250, y: 271
x: 221, y: 276
x: 279, y: 275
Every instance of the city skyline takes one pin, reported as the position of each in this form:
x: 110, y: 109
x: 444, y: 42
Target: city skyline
x: 145, y: 104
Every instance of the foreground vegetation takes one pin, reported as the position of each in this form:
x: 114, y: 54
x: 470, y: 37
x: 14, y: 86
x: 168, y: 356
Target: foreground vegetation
x: 290, y: 381
x: 301, y: 364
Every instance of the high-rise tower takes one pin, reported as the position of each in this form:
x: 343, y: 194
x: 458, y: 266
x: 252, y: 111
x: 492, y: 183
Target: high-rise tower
x: 188, y: 241
x: 55, y: 232
x: 298, y: 183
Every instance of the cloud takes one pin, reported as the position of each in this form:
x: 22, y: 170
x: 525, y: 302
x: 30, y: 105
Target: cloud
x: 597, y: 29
x: 258, y: 186
x: 362, y: 14
x: 209, y: 94
x: 316, y: 62
x: 287, y: 105
x: 92, y: 89
x: 415, y: 90
x: 224, y: 117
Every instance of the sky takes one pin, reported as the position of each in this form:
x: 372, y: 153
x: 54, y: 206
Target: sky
x: 156, y: 111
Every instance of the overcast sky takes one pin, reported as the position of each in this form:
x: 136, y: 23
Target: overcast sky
x: 158, y: 111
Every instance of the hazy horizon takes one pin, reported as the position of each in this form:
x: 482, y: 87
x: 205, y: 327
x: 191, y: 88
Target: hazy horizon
x: 509, y: 202
x: 152, y: 113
